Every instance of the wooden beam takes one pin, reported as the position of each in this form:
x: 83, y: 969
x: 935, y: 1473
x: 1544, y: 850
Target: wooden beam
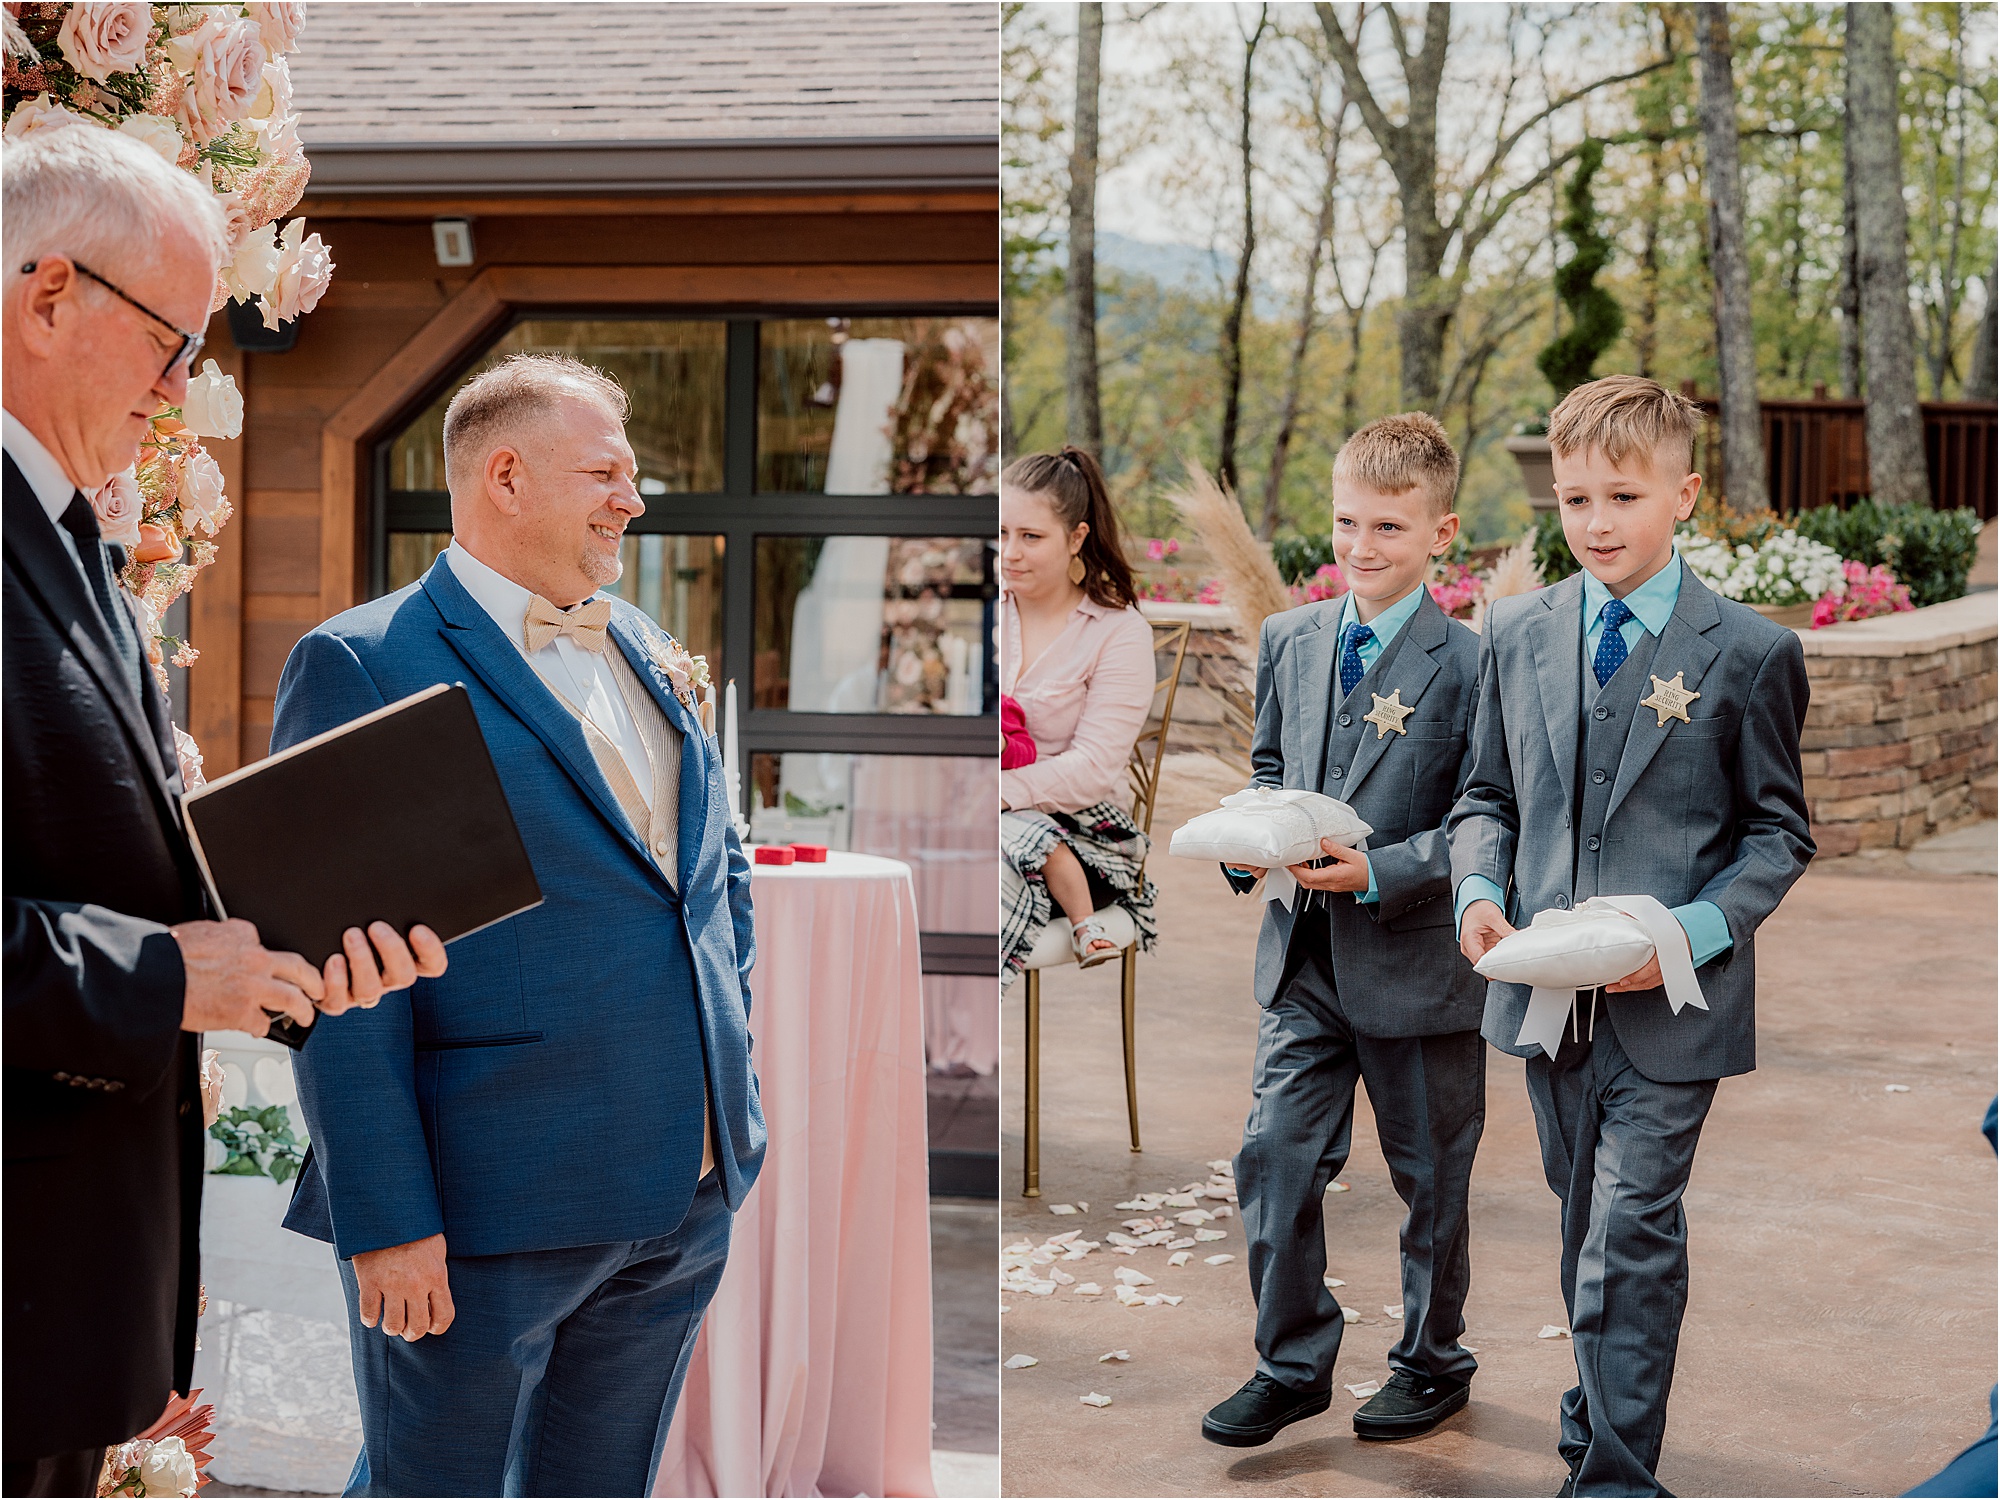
x: 215, y: 609
x: 339, y: 206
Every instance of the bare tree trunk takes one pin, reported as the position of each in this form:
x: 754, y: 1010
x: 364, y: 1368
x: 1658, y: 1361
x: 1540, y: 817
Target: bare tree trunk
x: 1849, y: 293
x: 1982, y: 379
x: 1232, y: 323
x: 1939, y: 355
x: 1646, y: 327
x: 1086, y: 415
x: 1729, y: 263
x: 1274, y: 480
x: 1897, y: 473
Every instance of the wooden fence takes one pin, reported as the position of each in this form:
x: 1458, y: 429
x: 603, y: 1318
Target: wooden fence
x: 1816, y: 452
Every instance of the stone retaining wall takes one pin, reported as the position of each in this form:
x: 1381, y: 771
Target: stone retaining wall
x: 1901, y: 724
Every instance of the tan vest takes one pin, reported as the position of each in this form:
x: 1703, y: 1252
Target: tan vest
x: 658, y: 825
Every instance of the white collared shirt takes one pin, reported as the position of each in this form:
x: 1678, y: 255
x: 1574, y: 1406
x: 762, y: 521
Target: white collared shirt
x: 45, y: 477
x: 583, y: 677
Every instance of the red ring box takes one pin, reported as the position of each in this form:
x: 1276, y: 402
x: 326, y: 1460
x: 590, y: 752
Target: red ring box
x: 769, y: 854
x: 809, y: 854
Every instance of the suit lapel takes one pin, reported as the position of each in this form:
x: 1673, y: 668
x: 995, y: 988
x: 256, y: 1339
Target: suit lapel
x: 1312, y: 685
x: 1406, y: 668
x: 1685, y: 648
x: 49, y: 575
x: 1557, y: 640
x: 498, y: 663
x: 631, y: 639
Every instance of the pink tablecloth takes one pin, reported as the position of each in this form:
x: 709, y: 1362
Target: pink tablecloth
x: 812, y: 1375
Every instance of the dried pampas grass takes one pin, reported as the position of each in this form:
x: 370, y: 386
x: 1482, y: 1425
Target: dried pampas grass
x: 1251, y: 585
x: 1516, y: 572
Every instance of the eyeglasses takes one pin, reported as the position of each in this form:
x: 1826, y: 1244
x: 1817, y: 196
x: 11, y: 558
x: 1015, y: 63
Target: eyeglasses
x: 190, y: 345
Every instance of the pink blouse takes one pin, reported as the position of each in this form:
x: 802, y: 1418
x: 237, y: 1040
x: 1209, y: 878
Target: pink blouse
x: 1086, y: 698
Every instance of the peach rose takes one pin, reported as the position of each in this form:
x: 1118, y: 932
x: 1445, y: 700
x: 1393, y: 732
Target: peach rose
x: 118, y: 505
x: 227, y: 64
x: 305, y: 270
x: 101, y: 39
x: 281, y: 22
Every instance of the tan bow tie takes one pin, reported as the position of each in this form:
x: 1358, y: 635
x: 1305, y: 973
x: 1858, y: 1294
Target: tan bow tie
x: 585, y: 624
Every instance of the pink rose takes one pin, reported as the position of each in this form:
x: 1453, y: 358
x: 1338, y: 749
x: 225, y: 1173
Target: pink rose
x: 227, y: 63
x: 281, y: 22
x: 101, y: 39
x: 38, y: 113
x: 203, y: 503
x: 305, y: 270
x: 119, y: 505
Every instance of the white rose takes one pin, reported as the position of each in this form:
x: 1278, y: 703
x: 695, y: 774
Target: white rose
x: 274, y: 99
x: 228, y: 70
x: 101, y: 39
x: 118, y: 505
x: 156, y: 131
x: 305, y: 270
x: 212, y: 1076
x: 213, y: 407
x: 281, y: 23
x: 252, y: 271
x: 168, y: 1468
x: 202, y: 499
x: 38, y: 113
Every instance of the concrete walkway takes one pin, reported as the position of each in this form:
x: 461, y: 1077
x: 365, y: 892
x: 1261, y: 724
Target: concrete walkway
x: 1841, y: 1329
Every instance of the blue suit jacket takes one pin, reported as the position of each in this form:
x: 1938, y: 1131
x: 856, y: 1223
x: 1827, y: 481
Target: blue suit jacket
x: 546, y: 1091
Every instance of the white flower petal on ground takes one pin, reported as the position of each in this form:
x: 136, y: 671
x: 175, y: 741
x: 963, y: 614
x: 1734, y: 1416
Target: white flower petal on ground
x: 1094, y: 1399
x: 1193, y: 1217
x: 1224, y: 1165
x: 1020, y: 1361
x: 1062, y: 1208
x: 1086, y: 1289
x: 1062, y: 1278
x: 1180, y: 1200
x: 1121, y: 1355
x: 1337, y: 1187
x: 1365, y: 1389
x: 1171, y: 1300
x: 1351, y: 1315
x: 1208, y: 1236
x: 1121, y: 1239
x: 1020, y: 1247
x: 1217, y: 1260
x: 1180, y: 1258
x: 1895, y: 1088
x: 1468, y: 1348
x: 1041, y: 1288
x: 1224, y: 1212
x: 1394, y: 1312
x: 1130, y: 1296
x: 1127, y: 1276
x: 1185, y: 1242
x: 1066, y: 1237
x: 1332, y: 1282
x: 1551, y: 1331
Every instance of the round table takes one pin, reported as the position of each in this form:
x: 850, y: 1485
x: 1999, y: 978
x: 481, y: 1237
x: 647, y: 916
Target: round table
x: 812, y: 1373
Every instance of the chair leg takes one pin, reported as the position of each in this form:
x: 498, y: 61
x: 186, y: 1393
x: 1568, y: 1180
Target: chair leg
x: 1131, y: 980
x: 1031, y: 1154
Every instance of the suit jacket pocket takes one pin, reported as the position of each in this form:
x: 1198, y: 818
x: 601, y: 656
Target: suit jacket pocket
x: 1433, y: 911
x: 453, y: 1044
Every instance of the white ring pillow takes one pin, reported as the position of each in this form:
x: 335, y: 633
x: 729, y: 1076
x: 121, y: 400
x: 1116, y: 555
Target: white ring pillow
x: 1266, y: 827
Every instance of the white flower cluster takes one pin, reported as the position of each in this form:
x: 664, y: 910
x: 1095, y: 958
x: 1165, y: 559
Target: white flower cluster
x: 1785, y: 569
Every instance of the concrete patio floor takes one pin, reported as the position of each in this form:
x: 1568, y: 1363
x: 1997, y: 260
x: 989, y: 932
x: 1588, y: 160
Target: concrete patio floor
x: 1840, y: 1335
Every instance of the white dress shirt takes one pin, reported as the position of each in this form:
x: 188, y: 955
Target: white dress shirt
x: 45, y: 477
x: 583, y: 677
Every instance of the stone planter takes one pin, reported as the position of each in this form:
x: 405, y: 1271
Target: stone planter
x: 1538, y: 470
x: 1791, y: 616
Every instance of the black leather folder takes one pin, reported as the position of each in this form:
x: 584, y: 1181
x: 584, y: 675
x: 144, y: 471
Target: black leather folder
x: 397, y: 817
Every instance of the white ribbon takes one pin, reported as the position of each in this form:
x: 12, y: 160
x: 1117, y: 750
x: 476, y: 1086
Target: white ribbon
x: 1280, y: 884
x: 1542, y: 1026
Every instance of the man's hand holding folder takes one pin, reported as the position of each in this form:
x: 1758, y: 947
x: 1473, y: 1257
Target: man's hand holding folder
x: 235, y: 983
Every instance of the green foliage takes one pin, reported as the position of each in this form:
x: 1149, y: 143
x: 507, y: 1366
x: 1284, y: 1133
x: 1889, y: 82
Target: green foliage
x: 260, y: 1142
x: 1299, y: 557
x: 1932, y: 551
x: 1595, y: 318
x: 1552, y: 552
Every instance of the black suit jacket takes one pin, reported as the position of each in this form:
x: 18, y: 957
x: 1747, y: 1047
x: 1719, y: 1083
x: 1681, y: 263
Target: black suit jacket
x: 103, y: 1112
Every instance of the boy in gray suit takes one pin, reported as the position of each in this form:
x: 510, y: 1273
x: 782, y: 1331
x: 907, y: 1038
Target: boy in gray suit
x: 1367, y: 698
x: 1636, y: 735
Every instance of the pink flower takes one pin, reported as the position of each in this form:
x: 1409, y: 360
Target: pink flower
x: 99, y: 39
x: 118, y: 505
x: 227, y: 64
x: 305, y: 270
x: 280, y: 22
x: 36, y: 114
x: 1868, y: 592
x: 1326, y: 583
x: 1156, y: 549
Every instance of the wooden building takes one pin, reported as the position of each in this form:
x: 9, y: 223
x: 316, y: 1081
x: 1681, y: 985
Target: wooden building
x: 726, y: 207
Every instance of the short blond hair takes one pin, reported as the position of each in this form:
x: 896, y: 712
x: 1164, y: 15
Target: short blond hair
x: 1408, y: 451
x: 1621, y: 415
x: 518, y: 389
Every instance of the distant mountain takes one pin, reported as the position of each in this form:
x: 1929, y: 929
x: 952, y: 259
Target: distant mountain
x: 1187, y: 268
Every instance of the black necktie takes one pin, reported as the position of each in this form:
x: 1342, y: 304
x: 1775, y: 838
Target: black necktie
x: 100, y: 567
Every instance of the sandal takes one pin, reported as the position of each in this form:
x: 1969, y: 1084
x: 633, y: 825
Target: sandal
x: 1082, y: 935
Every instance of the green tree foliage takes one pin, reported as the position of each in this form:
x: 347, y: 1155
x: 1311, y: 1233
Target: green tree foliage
x: 1595, y: 318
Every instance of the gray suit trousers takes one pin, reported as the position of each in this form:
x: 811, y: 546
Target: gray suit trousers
x: 1617, y: 1148
x: 1429, y: 1098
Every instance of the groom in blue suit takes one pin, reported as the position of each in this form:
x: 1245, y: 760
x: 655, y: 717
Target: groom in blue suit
x: 528, y: 1166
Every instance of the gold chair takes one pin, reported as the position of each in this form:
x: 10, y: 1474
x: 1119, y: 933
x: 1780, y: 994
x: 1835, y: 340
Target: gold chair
x: 1143, y: 774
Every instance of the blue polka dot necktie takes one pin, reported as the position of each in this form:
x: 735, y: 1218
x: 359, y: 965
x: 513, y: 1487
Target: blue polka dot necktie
x: 1351, y: 668
x: 1611, y: 644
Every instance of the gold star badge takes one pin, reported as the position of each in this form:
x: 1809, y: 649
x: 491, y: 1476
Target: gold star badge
x: 1388, y: 713
x: 1670, y: 700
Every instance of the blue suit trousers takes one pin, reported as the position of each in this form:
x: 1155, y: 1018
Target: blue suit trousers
x: 558, y: 1375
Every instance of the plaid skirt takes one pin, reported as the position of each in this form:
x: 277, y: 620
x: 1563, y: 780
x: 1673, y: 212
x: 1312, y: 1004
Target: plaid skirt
x: 1105, y: 841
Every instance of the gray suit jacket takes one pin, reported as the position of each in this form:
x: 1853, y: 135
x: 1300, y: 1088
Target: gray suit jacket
x: 1396, y: 960
x: 1711, y: 810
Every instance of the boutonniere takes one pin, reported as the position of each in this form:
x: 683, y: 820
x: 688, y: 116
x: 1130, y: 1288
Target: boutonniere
x: 681, y: 672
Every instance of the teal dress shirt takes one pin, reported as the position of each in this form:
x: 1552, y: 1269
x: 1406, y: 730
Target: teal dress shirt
x: 1652, y: 605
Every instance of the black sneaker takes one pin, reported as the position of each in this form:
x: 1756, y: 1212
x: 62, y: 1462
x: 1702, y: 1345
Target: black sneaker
x: 1410, y: 1405
x: 1256, y: 1414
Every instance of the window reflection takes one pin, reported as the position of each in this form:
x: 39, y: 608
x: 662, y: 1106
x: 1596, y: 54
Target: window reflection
x: 875, y: 624
x: 870, y: 406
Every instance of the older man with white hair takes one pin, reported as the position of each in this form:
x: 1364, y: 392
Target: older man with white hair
x: 111, y: 973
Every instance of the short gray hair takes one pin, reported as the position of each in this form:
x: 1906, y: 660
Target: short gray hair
x: 519, y: 387
x: 100, y: 197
